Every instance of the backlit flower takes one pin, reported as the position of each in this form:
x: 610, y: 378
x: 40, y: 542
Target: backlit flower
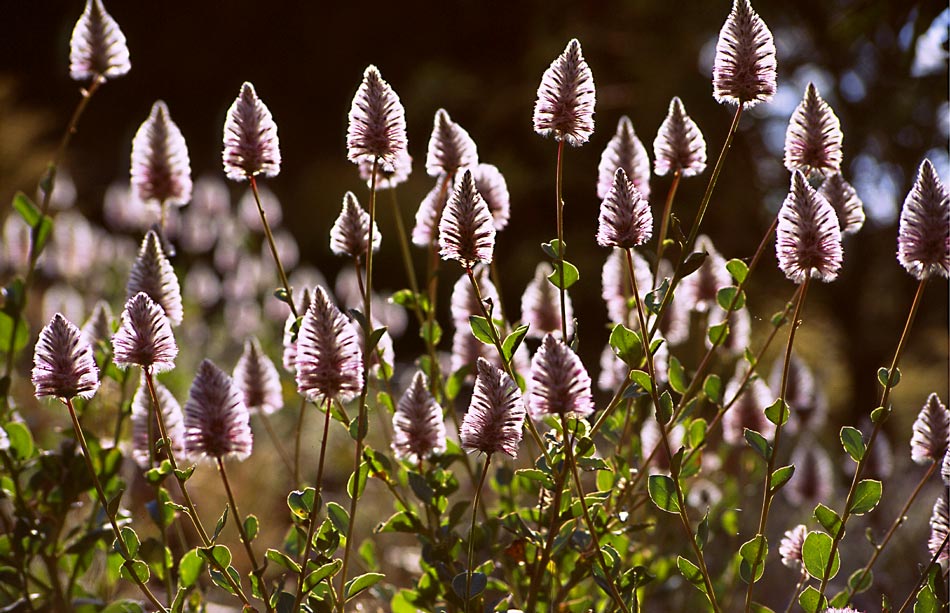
x: 143, y: 410
x: 377, y: 127
x: 565, y: 103
x: 845, y: 201
x: 63, y: 363
x: 349, y: 235
x: 145, y: 337
x: 540, y: 305
x: 808, y: 239
x: 939, y: 528
x: 251, y: 146
x: 931, y: 432
x: 387, y: 179
x: 430, y: 212
x: 491, y: 184
x: 153, y: 274
x: 466, y: 230
x: 495, y: 415
x: 217, y: 423
x: 679, y: 145
x: 699, y: 289
x: 791, y: 546
x: 624, y: 150
x: 329, y: 360
x: 419, y: 430
x: 257, y: 378
x: 559, y: 383
x: 923, y: 241
x: 450, y: 147
x: 813, y: 139
x: 98, y: 46
x: 625, y: 216
x: 744, y: 68
x: 161, y: 170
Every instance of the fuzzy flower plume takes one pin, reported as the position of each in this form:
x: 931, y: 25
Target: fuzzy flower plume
x: 845, y: 201
x: 625, y: 150
x: 559, y: 382
x: 329, y: 360
x: 251, y: 146
x: 387, y: 179
x: 813, y: 139
x: 377, y: 122
x: 143, y: 410
x: 679, y: 145
x: 217, y: 422
x: 427, y: 216
x: 145, y: 337
x: 153, y: 274
x: 289, y: 355
x: 939, y: 528
x: 98, y: 328
x: 349, y: 235
x: 744, y: 68
x: 931, y: 432
x: 540, y: 305
x: 63, y: 363
x: 495, y: 415
x: 161, y: 170
x: 625, y: 216
x: 257, y: 378
x: 791, y: 546
x: 418, y: 428
x: 923, y: 241
x: 700, y: 288
x: 808, y: 239
x: 466, y: 230
x: 450, y: 147
x: 565, y: 104
x: 492, y: 186
x: 97, y: 47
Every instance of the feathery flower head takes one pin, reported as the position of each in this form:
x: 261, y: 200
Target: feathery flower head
x: 813, y: 139
x: 679, y: 145
x: 791, y: 546
x: 699, y: 289
x: 217, y: 423
x: 624, y: 150
x: 845, y: 201
x: 808, y: 239
x: 559, y: 382
x: 97, y: 47
x: 98, y: 328
x: 349, y: 235
x: 450, y: 147
x: 492, y: 186
x: 748, y: 411
x: 429, y: 213
x: 329, y: 360
x: 251, y: 146
x: 744, y: 68
x: 161, y: 170
x: 145, y: 337
x: 387, y: 179
x: 63, y: 363
x: 418, y: 427
x: 625, y: 216
x: 939, y: 528
x: 495, y: 415
x: 540, y: 305
x: 565, y: 104
x: 153, y: 274
x: 143, y: 410
x: 289, y: 356
x: 923, y: 241
x: 466, y: 230
x: 464, y: 301
x: 945, y: 468
x: 377, y: 125
x: 931, y: 432
x: 257, y: 378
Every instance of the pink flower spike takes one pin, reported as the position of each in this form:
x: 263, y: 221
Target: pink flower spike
x: 217, y: 423
x: 450, y: 147
x: 791, y: 546
x: 142, y: 410
x: 845, y: 201
x: 565, y: 103
x: 931, y: 432
x: 257, y: 378
x: 419, y: 429
x: 495, y: 415
x: 923, y: 240
x: 813, y: 139
x: 145, y: 337
x: 808, y: 240
x: 625, y: 216
x: 559, y: 383
x: 492, y: 186
x: 377, y: 126
x: 939, y: 528
x: 466, y: 230
x: 153, y: 274
x: 429, y: 214
x: 540, y: 306
x: 63, y: 363
x: 97, y: 47
x: 251, y: 146
x: 161, y: 170
x: 744, y: 70
x: 349, y: 235
x: 625, y: 150
x: 329, y: 360
x: 679, y: 145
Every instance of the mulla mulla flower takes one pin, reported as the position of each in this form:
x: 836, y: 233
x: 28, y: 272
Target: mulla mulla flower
x: 291, y: 333
x: 153, y: 274
x: 97, y: 48
x: 747, y: 410
x: 679, y: 145
x: 251, y: 146
x: 845, y: 201
x: 257, y: 378
x: 939, y: 528
x: 430, y: 210
x: 217, y: 422
x: 495, y: 415
x: 387, y: 179
x: 450, y: 147
x: 624, y: 150
x: 566, y: 96
x: 540, y: 308
x: 63, y: 363
x: 466, y: 230
x: 790, y: 548
x: 931, y: 432
x: 349, y: 235
x: 559, y: 383
x: 377, y: 127
x: 464, y: 302
x: 161, y: 170
x: 329, y: 361
x: 814, y: 474
x: 808, y: 239
x: 98, y: 328
x: 699, y: 289
x: 143, y: 410
x: 923, y: 240
x: 625, y: 216
x: 145, y: 337
x: 492, y: 186
x: 813, y: 139
x: 418, y: 428
x: 744, y: 70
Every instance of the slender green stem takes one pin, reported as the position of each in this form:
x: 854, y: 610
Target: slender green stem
x: 298, y: 435
x: 665, y: 219
x: 269, y: 427
x: 555, y: 508
x: 923, y: 575
x: 273, y: 247
x: 798, y: 590
x: 471, y: 533
x: 561, y: 247
x: 406, y: 255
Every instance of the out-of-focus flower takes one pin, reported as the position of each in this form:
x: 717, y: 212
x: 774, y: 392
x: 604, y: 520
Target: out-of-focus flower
x: 939, y: 528
x: 559, y: 382
x: 217, y: 423
x: 450, y: 147
x: 467, y: 349
x: 813, y: 478
x: 251, y: 146
x: 257, y: 378
x: 203, y: 285
x: 931, y: 432
x: 153, y: 274
x: 387, y: 179
x: 744, y: 69
x: 251, y: 217
x: 63, y: 363
x: 161, y: 170
x: 98, y: 328
x: 465, y: 302
x: 808, y: 239
x: 64, y: 192
x: 491, y: 184
x: 66, y: 299
x: 377, y: 127
x: 845, y: 201
x: 699, y: 289
x: 703, y: 494
x: 748, y: 410
x: 289, y: 355
x: 624, y: 150
x: 466, y: 230
x: 616, y: 289
x: 679, y: 145
x: 495, y: 415
x: 739, y: 328
x: 121, y: 210
x: 805, y: 399
x: 145, y: 337
x: 429, y: 213
x: 418, y: 427
x: 650, y: 441
x: 540, y: 306
x: 74, y: 247
x: 923, y: 241
x: 349, y: 235
x: 329, y: 362
x: 625, y: 216
x: 143, y: 410
x: 813, y: 139
x: 565, y: 104
x: 791, y: 546
x: 945, y: 468
x: 97, y: 47
x: 613, y: 371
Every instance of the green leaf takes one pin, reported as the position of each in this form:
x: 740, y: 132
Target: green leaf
x: 880, y: 414
x: 513, y: 341
x: 222, y: 521
x: 655, y: 298
x: 866, y: 496
x: 301, y: 502
x: 189, y: 568
x: 697, y: 433
x: 626, y: 345
x: 730, y: 296
x: 251, y: 526
x: 717, y: 333
x: 339, y: 517
x: 926, y: 601
x: 431, y: 332
x: 712, y: 387
x: 738, y: 270
x: 401, y: 521
x: 691, y: 572
x: 363, y: 582
x: 6, y: 330
x: 357, y: 481
x: 552, y: 249
x: 316, y: 576
x: 702, y: 532
x: 124, y: 606
x: 481, y: 329
x: 882, y: 377
x: 131, y: 540
x: 216, y: 555
x: 780, y: 477
x: 865, y: 582
x: 642, y: 379
x: 853, y: 443
x: 811, y: 600
x: 114, y: 502
x: 828, y: 519
x: 664, y: 411
x: 693, y: 262
x: 758, y: 443
x: 478, y: 584
x: 21, y: 440
x: 816, y: 551
x: 753, y: 553
x: 777, y: 412
x: 759, y: 608
x: 571, y: 275
x: 27, y: 209
x: 663, y: 493
x: 281, y: 558
x: 134, y: 569
x: 677, y: 376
